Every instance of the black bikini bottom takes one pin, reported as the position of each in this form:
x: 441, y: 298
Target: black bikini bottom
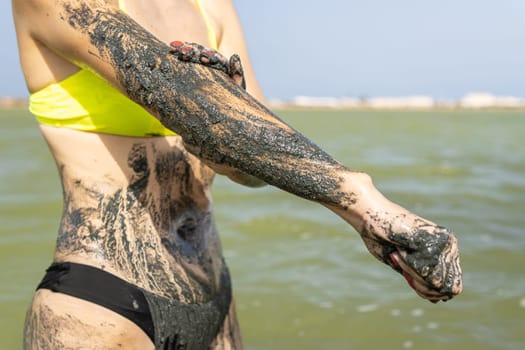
x: 170, y: 324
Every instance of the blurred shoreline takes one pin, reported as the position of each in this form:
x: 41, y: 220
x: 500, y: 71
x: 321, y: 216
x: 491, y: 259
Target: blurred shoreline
x: 13, y: 102
x: 416, y: 102
x: 474, y: 101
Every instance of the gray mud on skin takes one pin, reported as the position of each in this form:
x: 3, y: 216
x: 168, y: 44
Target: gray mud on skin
x: 146, y: 234
x: 427, y: 255
x: 219, y: 121
x: 222, y: 124
x: 428, y: 249
x: 44, y: 329
x: 189, y: 326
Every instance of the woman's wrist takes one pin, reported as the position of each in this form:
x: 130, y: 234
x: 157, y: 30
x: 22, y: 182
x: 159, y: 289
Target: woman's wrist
x: 361, y: 192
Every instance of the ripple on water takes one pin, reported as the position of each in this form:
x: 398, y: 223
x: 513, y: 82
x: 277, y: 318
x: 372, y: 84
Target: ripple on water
x: 326, y: 305
x: 417, y: 329
x: 408, y: 344
x: 367, y: 308
x: 417, y: 312
x: 432, y: 325
x: 395, y: 313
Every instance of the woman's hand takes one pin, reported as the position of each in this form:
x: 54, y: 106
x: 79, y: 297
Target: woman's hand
x: 196, y: 53
x: 427, y: 255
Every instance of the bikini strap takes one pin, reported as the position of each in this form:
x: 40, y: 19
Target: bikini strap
x: 212, y: 36
x: 122, y: 5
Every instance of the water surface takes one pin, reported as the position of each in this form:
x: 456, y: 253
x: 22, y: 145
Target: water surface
x: 302, y: 277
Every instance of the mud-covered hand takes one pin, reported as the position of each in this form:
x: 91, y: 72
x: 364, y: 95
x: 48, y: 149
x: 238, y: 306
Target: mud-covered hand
x: 196, y: 53
x: 426, y: 254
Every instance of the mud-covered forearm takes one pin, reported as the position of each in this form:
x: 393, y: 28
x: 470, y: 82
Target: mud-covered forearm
x: 219, y: 121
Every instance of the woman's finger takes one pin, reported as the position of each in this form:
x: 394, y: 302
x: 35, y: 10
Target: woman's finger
x: 415, y: 281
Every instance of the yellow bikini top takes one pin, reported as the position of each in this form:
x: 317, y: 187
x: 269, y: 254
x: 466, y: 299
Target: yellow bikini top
x: 84, y: 101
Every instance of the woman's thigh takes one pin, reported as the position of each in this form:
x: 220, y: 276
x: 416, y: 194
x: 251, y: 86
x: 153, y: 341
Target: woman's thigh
x: 59, y: 321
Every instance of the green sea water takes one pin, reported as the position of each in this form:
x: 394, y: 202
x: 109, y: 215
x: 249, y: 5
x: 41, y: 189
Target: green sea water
x: 302, y: 277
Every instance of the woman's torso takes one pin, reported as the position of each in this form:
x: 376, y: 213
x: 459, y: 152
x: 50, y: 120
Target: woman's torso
x: 138, y: 207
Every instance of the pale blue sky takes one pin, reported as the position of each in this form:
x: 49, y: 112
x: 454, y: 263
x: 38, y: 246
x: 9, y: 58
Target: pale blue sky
x: 354, y: 48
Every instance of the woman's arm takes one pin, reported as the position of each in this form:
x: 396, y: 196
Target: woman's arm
x: 218, y: 120
x: 196, y: 53
x: 224, y: 125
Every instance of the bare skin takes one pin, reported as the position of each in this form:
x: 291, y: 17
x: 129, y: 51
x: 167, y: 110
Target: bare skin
x: 140, y: 208
x: 175, y: 250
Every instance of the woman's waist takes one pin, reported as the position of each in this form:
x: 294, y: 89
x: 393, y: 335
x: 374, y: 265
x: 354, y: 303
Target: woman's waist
x: 99, y: 166
x: 169, y: 270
